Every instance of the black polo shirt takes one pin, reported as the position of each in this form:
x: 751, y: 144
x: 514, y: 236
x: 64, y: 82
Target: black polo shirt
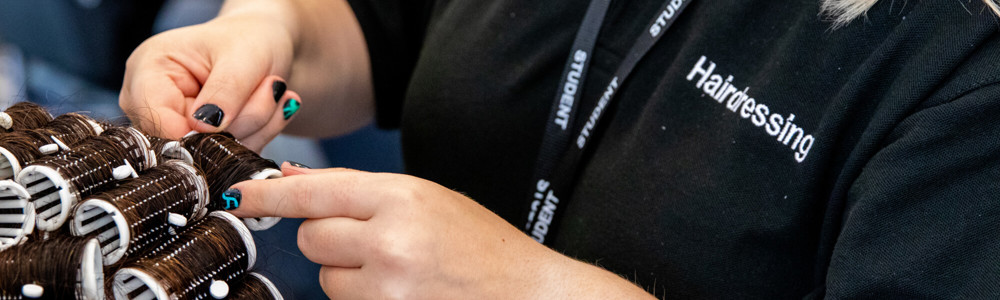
x: 753, y: 153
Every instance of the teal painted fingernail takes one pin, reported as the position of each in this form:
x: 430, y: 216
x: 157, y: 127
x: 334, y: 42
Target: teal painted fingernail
x: 232, y: 197
x: 291, y: 107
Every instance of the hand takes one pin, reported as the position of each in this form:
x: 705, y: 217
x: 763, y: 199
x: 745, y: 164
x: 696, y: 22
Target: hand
x: 212, y: 77
x: 232, y: 61
x: 395, y: 236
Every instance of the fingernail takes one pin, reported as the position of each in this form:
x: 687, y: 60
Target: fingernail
x: 291, y: 107
x: 297, y: 165
x: 232, y: 198
x: 278, y: 87
x: 210, y: 114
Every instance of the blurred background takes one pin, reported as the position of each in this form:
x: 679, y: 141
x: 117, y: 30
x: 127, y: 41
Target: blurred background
x: 69, y: 55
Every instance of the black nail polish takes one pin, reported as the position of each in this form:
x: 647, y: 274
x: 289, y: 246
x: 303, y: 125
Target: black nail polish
x: 211, y: 114
x: 278, y: 87
x: 232, y: 198
x: 297, y: 165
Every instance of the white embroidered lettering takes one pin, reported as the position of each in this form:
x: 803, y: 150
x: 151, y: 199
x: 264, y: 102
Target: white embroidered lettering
x: 725, y: 92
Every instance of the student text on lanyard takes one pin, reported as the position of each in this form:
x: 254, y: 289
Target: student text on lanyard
x: 562, y: 147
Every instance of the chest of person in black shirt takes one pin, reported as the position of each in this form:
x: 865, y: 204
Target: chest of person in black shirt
x: 753, y: 153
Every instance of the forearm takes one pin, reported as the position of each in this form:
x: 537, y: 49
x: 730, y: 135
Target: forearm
x: 565, y: 278
x: 330, y: 68
x: 524, y: 269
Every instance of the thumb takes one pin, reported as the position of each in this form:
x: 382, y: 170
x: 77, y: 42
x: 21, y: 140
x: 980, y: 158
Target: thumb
x: 225, y: 92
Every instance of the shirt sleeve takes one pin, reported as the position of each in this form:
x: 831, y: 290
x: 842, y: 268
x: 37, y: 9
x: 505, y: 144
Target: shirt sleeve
x: 923, y: 218
x: 394, y: 31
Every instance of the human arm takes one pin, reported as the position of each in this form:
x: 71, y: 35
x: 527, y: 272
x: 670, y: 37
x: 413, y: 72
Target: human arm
x: 232, y: 61
x: 396, y: 236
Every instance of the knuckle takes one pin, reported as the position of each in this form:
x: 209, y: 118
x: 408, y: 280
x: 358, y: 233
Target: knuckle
x: 135, y: 56
x: 397, y: 253
x: 303, y: 238
x: 302, y: 196
x: 392, y: 291
x: 125, y: 100
x: 396, y: 289
x: 327, y: 281
x: 408, y: 192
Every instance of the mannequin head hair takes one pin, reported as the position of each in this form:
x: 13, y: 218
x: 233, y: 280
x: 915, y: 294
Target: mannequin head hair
x: 226, y: 162
x: 217, y: 248
x: 142, y: 212
x: 60, y: 267
x: 56, y: 183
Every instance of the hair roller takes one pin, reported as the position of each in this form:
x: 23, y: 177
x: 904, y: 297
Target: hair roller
x: 24, y: 116
x: 226, y: 162
x: 169, y: 149
x: 198, y: 263
x: 142, y: 212
x: 56, y: 183
x: 21, y: 147
x: 61, y: 267
x: 17, y: 215
x: 255, y: 286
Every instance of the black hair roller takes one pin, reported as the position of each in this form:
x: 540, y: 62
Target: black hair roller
x: 200, y: 262
x: 255, y: 286
x: 21, y: 147
x: 226, y: 162
x: 24, y: 116
x: 142, y: 212
x: 61, y: 267
x: 56, y: 183
x: 17, y: 214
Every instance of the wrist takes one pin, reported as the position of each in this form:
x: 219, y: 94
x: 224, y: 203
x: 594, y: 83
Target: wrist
x: 282, y: 13
x: 564, y: 278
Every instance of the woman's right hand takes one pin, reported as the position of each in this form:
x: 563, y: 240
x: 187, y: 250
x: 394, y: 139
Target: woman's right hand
x: 225, y: 74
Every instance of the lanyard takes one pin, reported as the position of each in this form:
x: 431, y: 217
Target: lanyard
x: 561, y: 154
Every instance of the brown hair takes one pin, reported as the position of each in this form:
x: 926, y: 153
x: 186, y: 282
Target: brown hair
x: 255, y: 286
x: 25, y: 116
x: 215, y: 248
x: 64, y: 267
x: 225, y: 162
x: 57, y: 182
x: 21, y: 147
x: 136, y: 215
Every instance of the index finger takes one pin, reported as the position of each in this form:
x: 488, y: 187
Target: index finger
x: 322, y: 194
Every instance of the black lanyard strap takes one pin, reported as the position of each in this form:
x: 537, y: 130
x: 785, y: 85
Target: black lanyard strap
x: 570, y: 87
x: 557, y: 162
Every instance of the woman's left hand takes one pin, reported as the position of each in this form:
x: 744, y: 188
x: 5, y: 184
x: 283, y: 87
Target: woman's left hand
x: 381, y: 235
